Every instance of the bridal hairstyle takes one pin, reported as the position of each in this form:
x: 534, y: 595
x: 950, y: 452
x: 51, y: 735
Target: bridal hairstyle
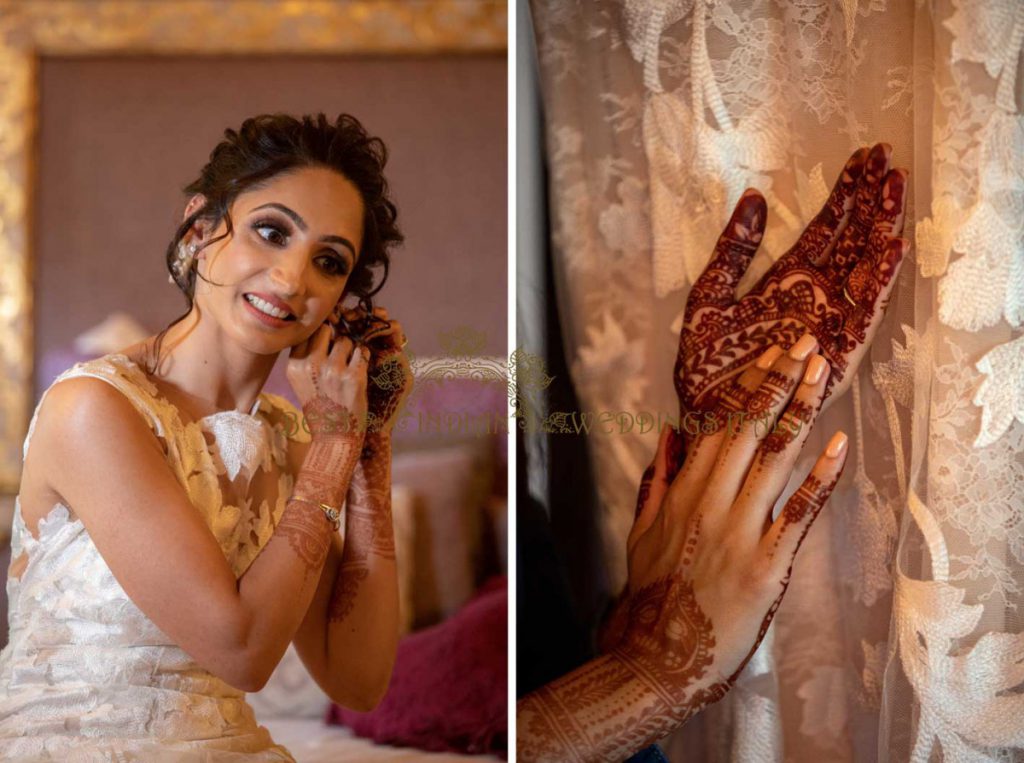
x: 270, y: 144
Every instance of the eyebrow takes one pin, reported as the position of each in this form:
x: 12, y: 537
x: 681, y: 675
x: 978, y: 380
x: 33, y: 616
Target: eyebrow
x: 297, y: 219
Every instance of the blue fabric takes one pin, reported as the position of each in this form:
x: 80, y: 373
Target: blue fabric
x: 652, y: 754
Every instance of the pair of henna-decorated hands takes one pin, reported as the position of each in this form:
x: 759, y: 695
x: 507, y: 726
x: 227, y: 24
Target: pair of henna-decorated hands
x: 708, y: 566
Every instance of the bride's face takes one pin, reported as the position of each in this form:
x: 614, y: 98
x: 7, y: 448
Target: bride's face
x: 294, y: 245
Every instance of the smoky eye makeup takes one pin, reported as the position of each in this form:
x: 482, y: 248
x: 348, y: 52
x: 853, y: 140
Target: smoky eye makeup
x: 335, y: 263
x: 280, y: 229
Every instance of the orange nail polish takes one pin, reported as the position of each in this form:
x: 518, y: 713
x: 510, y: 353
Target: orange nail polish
x: 836, y: 445
x: 815, y: 369
x: 768, y: 357
x: 804, y: 347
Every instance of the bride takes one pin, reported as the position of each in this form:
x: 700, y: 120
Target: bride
x: 176, y: 528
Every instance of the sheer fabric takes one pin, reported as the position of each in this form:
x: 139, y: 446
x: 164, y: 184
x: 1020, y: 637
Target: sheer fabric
x: 900, y: 637
x: 85, y: 674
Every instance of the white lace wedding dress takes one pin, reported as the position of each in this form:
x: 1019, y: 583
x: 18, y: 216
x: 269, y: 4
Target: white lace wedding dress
x: 86, y: 676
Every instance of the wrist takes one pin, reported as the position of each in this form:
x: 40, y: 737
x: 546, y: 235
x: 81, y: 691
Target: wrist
x: 375, y: 445
x: 679, y: 698
x: 327, y: 471
x: 327, y: 418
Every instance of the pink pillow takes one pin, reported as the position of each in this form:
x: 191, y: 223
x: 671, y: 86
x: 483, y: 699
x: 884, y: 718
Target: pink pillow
x: 449, y: 688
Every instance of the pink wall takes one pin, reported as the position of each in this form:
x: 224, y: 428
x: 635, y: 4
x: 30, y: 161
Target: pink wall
x: 120, y: 136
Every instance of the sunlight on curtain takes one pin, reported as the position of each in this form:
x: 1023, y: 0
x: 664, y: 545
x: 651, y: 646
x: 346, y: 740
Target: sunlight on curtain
x: 899, y: 638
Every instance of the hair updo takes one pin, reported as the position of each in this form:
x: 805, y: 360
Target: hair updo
x: 270, y: 144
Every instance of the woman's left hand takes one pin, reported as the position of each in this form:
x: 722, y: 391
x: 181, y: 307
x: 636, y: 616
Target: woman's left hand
x: 834, y: 283
x: 390, y: 375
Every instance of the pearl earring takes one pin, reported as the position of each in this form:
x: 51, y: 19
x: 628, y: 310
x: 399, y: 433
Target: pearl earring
x: 183, y: 261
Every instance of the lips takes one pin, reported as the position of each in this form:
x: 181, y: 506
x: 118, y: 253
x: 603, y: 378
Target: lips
x: 279, y: 304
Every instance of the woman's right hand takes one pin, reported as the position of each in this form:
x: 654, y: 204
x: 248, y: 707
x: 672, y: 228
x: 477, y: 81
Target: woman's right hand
x: 330, y: 382
x: 707, y: 564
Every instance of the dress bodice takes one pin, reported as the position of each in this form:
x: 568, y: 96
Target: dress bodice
x: 85, y: 674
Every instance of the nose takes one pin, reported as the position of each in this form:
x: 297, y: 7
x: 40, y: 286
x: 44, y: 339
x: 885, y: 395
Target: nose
x: 287, y: 275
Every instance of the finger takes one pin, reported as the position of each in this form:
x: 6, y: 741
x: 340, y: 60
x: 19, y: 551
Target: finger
x: 652, y: 489
x: 853, y: 240
x: 763, y: 409
x: 889, y: 215
x: 869, y: 286
x: 888, y: 225
x: 306, y: 348
x: 733, y: 397
x: 320, y: 341
x: 301, y: 350
x: 381, y: 330
x: 360, y: 357
x: 787, y: 532
x: 655, y: 481
x: 700, y: 459
x: 777, y: 455
x: 821, y: 236
x: 341, y: 353
x: 716, y: 286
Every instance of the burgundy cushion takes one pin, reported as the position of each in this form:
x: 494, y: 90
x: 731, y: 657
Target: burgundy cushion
x: 449, y: 687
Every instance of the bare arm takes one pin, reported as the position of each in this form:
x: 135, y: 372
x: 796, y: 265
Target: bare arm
x: 115, y: 477
x: 355, y: 611
x: 603, y: 710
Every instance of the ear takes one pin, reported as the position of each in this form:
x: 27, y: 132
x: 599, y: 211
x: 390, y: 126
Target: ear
x: 195, y: 203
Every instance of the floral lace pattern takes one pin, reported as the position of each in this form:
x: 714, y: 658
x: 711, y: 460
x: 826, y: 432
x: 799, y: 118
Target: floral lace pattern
x: 86, y: 675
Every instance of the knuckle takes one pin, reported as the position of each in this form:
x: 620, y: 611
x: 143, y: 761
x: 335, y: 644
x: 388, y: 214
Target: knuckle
x: 757, y: 578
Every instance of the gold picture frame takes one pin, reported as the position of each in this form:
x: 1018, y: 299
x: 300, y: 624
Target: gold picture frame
x: 30, y: 29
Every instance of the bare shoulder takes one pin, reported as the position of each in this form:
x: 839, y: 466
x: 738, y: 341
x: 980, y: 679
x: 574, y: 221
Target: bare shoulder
x: 80, y: 419
x: 75, y: 416
x: 84, y: 410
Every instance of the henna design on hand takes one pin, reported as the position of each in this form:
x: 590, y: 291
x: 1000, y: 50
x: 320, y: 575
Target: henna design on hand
x: 327, y: 418
x: 773, y: 390
x: 807, y: 501
x: 669, y: 641
x: 829, y: 291
x: 389, y: 375
x: 390, y: 384
x: 797, y: 415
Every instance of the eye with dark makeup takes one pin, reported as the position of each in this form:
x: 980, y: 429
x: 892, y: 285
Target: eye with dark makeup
x: 334, y: 264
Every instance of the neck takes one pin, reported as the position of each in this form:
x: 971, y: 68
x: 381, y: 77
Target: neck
x: 199, y: 361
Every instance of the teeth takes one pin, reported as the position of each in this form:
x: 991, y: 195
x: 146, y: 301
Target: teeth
x: 265, y: 307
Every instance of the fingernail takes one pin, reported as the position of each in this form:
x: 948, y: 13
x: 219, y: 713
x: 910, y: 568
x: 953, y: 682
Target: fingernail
x: 815, y: 369
x: 892, y: 190
x: 768, y: 357
x: 877, y: 161
x: 804, y: 347
x: 836, y: 445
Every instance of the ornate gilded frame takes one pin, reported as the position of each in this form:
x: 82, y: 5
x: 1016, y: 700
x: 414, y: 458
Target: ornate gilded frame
x: 29, y: 30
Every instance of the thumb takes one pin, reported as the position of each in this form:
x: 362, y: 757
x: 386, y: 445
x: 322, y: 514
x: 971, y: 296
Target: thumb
x: 716, y: 286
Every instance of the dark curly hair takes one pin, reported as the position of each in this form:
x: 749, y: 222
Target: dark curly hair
x: 270, y: 144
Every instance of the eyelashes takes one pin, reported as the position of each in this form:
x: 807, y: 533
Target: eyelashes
x: 334, y: 264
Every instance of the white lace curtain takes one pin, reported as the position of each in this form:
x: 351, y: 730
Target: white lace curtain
x: 900, y: 637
